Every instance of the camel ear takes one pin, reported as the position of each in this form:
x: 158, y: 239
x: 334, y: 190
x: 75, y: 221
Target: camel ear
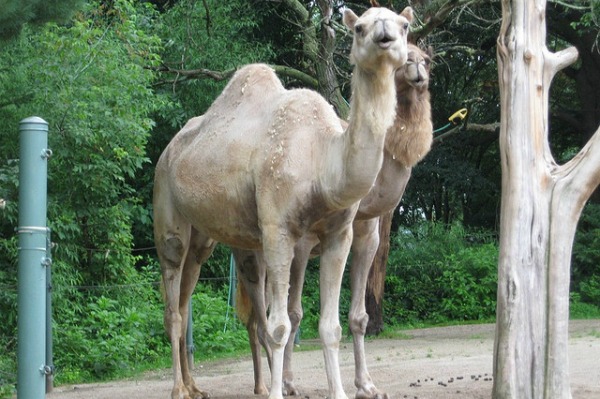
x: 350, y: 18
x: 430, y: 52
x: 407, y: 13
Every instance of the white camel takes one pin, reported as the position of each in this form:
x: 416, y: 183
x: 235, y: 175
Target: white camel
x: 407, y: 142
x: 266, y: 166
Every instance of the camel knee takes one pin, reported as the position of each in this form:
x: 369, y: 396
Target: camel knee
x: 171, y: 251
x: 173, y: 324
x: 295, y: 318
x: 330, y: 334
x: 358, y: 323
x: 278, y: 333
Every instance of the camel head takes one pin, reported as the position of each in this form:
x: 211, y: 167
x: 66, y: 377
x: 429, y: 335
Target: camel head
x: 416, y: 70
x: 379, y: 34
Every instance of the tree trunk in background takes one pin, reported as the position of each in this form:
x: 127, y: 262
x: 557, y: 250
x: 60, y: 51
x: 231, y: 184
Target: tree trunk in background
x: 329, y: 86
x: 541, y: 204
x: 376, y: 281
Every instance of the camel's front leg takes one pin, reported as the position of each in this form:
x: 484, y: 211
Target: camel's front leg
x: 364, y: 247
x: 334, y: 252
x: 278, y: 250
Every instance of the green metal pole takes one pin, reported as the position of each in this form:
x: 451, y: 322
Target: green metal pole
x: 49, y: 346
x: 33, y: 156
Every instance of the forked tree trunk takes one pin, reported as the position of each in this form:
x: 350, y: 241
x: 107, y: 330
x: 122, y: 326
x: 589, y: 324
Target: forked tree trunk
x: 541, y: 204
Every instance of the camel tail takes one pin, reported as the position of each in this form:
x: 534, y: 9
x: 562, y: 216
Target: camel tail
x: 242, y: 302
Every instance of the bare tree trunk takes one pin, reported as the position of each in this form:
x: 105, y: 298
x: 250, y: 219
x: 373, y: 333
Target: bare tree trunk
x: 541, y: 204
x: 376, y: 280
x: 326, y: 72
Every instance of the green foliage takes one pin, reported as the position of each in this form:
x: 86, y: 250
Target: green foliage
x: 122, y: 329
x: 216, y: 330
x: 582, y: 310
x: 211, y: 35
x: 15, y: 13
x: 585, y: 274
x: 438, y: 273
x: 470, y: 283
x: 90, y: 81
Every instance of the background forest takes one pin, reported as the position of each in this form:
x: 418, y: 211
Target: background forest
x: 116, y: 79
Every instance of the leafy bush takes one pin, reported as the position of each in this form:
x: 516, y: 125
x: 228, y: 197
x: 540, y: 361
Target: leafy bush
x: 585, y: 274
x: 470, y: 283
x: 112, y: 333
x: 438, y: 273
x: 216, y: 330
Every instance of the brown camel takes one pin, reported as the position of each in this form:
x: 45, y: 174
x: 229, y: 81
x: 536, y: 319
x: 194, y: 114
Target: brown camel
x: 265, y: 166
x: 407, y: 142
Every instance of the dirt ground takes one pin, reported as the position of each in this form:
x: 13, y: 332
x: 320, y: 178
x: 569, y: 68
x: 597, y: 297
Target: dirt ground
x: 435, y: 363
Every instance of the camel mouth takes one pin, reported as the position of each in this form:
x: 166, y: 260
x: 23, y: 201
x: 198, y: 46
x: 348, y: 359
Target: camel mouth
x: 385, y: 42
x: 418, y: 83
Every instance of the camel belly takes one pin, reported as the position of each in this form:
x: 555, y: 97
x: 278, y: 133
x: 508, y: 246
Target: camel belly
x: 218, y: 206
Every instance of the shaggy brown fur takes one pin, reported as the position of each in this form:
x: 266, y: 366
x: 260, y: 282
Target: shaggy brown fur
x: 413, y: 127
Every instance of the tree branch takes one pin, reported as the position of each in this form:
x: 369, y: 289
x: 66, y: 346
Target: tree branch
x: 559, y: 60
x: 436, y: 19
x: 202, y: 73
x: 582, y: 173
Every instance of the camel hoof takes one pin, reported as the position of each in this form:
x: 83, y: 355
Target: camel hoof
x: 196, y: 393
x: 289, y: 389
x: 180, y: 394
x: 201, y: 395
x: 372, y: 394
x: 261, y: 390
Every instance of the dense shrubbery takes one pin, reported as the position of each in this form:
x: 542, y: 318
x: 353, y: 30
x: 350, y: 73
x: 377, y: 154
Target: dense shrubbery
x: 440, y: 274
x: 437, y: 273
x: 586, y: 256
x: 117, y: 330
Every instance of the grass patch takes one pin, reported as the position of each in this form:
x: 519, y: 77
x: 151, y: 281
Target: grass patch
x: 583, y: 311
x: 391, y: 333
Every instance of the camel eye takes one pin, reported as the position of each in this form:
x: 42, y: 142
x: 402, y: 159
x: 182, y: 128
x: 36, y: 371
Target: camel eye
x: 358, y: 29
x: 405, y: 26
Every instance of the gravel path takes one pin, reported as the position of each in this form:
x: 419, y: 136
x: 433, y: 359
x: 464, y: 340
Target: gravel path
x: 435, y: 363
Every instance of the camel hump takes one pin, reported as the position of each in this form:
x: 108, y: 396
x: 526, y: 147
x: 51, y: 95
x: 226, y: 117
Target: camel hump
x: 253, y: 80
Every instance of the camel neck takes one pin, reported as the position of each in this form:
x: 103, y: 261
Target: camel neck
x: 372, y: 112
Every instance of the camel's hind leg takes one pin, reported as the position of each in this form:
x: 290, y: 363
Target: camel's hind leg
x: 301, y: 256
x: 364, y: 247
x: 200, y: 249
x: 179, y: 251
x: 251, y: 307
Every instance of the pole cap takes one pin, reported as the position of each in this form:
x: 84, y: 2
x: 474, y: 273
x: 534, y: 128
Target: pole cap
x: 34, y: 120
